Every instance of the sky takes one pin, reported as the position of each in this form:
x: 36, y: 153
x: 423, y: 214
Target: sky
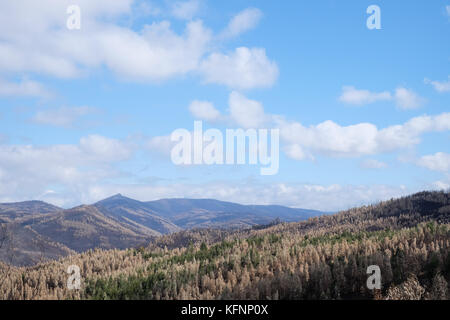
x: 88, y: 112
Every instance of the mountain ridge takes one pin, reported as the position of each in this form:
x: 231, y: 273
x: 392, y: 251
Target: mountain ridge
x: 47, y: 231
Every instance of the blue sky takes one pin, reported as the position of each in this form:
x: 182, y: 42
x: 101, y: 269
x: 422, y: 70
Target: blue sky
x: 364, y: 115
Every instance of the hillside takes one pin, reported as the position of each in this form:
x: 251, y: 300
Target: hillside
x: 42, y: 231
x: 137, y: 214
x: 28, y: 247
x: 322, y: 258
x: 189, y: 213
x: 85, y: 228
x: 11, y: 211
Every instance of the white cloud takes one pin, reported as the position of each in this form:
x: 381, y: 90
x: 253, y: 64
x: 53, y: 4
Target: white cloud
x: 99, y: 148
x: 242, y: 22
x: 440, y: 86
x: 351, y: 95
x: 407, y: 99
x: 439, y: 161
x: 243, y: 112
x: 158, y: 54
x: 185, y: 9
x: 447, y: 9
x: 28, y: 171
x: 373, y: 164
x: 404, y: 98
x: 331, y: 139
x: 296, y: 152
x: 34, y: 38
x: 242, y: 69
x: 204, y: 110
x: 23, y: 88
x: 246, y: 112
x: 61, y: 117
x: 161, y: 144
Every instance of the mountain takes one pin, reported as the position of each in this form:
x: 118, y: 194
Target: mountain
x: 11, y: 211
x: 53, y: 235
x: 25, y: 246
x: 189, y: 213
x: 171, y: 215
x: 39, y: 230
x: 136, y: 214
x: 85, y: 227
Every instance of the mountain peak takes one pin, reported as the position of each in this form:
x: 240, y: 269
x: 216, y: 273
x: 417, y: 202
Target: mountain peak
x: 117, y: 196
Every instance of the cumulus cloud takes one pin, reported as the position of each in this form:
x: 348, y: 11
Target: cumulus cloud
x: 160, y: 144
x: 242, y: 22
x: 351, y: 95
x: 242, y: 112
x: 246, y: 112
x: 158, y: 54
x: 439, y: 161
x: 331, y: 139
x: 204, y: 110
x: 23, y: 88
x: 63, y: 116
x: 242, y: 69
x: 404, y: 98
x: 34, y: 38
x: 103, y: 149
x: 407, y: 99
x: 440, y: 86
x: 27, y: 171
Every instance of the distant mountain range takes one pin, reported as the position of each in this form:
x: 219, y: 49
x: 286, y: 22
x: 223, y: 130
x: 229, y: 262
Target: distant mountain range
x: 41, y: 231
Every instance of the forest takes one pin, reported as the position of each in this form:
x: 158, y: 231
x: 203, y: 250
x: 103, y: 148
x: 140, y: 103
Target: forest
x: 322, y: 258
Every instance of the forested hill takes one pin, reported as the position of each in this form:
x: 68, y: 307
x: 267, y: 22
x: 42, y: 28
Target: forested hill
x: 394, y: 214
x: 321, y: 258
